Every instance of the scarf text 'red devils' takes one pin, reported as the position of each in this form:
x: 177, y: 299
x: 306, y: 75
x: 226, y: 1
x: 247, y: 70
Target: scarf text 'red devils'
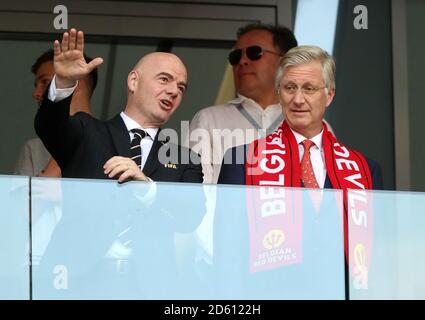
x: 274, y: 161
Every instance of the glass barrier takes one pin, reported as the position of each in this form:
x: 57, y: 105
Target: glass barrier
x: 104, y: 240
x: 14, y: 238
x: 387, y: 245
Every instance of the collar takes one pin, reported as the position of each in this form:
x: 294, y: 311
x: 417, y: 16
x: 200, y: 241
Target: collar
x: 317, y: 139
x: 240, y: 99
x: 131, y: 124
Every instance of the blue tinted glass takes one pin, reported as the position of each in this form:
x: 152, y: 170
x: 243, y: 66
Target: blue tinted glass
x: 14, y: 237
x: 186, y: 241
x: 387, y: 252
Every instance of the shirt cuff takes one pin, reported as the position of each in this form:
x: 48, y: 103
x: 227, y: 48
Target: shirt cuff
x: 56, y: 94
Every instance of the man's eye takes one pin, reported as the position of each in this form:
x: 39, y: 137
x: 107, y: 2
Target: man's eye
x: 309, y: 89
x: 163, y: 79
x: 182, y: 89
x: 290, y: 87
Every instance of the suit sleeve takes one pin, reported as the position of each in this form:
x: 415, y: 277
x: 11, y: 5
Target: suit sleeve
x: 233, y: 166
x: 59, y: 132
x: 376, y: 173
x: 193, y: 170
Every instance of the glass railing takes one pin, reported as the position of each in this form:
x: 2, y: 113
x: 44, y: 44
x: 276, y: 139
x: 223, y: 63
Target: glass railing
x: 387, y: 245
x: 97, y: 239
x: 14, y: 238
x: 103, y: 240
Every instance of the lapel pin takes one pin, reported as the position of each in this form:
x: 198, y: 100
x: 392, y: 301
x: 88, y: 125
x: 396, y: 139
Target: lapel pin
x: 170, y: 166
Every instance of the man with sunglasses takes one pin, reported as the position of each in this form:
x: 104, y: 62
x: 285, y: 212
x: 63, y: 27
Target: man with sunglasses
x: 256, y: 110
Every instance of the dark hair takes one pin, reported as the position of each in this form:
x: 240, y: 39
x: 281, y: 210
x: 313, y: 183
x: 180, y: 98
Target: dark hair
x: 48, y: 56
x: 45, y: 57
x: 283, y: 38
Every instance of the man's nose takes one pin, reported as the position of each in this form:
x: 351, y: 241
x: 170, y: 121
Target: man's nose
x: 299, y: 96
x: 173, y: 89
x: 37, y: 94
x: 244, y: 59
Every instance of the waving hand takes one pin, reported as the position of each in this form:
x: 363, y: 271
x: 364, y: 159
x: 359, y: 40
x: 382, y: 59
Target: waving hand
x: 69, y: 62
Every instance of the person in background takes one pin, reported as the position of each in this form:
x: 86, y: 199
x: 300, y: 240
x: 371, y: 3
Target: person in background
x: 34, y: 159
x: 256, y: 109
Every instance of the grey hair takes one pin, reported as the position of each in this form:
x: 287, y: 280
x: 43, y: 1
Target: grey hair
x: 306, y: 54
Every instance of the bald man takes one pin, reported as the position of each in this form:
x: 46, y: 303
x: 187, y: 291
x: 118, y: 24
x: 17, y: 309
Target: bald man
x: 130, y: 146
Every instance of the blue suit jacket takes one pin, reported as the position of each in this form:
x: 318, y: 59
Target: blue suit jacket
x: 233, y: 169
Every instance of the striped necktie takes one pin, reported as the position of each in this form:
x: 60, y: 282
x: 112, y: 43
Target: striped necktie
x: 136, y: 150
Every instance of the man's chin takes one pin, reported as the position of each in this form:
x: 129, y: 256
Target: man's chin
x: 298, y: 125
x: 162, y: 119
x: 246, y: 90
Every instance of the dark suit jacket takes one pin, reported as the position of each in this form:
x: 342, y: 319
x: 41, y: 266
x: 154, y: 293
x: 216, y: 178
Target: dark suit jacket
x: 82, y: 144
x: 233, y: 169
x: 92, y: 221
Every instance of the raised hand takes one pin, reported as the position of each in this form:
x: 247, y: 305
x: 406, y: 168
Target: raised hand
x: 69, y: 62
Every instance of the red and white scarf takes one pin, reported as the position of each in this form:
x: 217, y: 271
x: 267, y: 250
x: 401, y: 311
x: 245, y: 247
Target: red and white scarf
x: 274, y: 161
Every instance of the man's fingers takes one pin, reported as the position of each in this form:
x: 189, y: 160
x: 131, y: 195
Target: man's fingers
x: 56, y: 48
x: 95, y: 63
x: 111, y: 162
x: 118, y: 170
x: 115, y: 171
x: 111, y: 166
x: 80, y: 41
x: 72, y: 39
x: 126, y: 175
x: 115, y: 165
x: 65, y: 43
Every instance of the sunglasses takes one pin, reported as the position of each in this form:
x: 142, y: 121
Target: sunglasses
x: 253, y: 53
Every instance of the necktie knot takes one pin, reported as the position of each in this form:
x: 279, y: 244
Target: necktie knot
x: 139, y: 134
x: 307, y: 144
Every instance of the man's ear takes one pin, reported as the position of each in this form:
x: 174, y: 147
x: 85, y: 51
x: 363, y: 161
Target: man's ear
x: 132, y: 81
x: 330, y: 96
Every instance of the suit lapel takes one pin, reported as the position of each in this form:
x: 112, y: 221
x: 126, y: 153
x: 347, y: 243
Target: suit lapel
x: 119, y: 135
x: 152, y: 162
x: 328, y: 184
